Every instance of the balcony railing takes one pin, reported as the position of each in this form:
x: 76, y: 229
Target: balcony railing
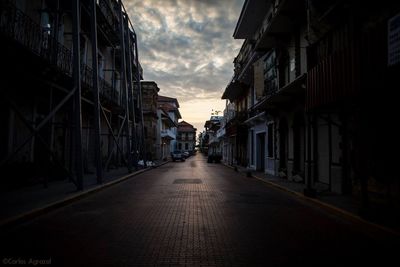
x: 333, y: 79
x: 105, y: 89
x: 18, y: 26
x: 110, y: 16
x: 184, y: 138
x: 167, y: 133
x: 109, y: 13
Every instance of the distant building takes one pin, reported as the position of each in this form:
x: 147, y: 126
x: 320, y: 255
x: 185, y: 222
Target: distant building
x: 171, y: 106
x: 167, y: 125
x: 186, y: 137
x: 213, y: 130
x: 150, y: 116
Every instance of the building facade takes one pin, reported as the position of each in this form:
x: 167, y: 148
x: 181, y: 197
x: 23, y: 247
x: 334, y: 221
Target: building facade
x: 186, y: 138
x: 72, y: 107
x: 215, y: 131
x: 306, y: 82
x: 171, y: 106
x: 150, y: 118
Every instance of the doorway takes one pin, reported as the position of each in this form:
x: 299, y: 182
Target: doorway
x: 260, y: 150
x: 283, y: 146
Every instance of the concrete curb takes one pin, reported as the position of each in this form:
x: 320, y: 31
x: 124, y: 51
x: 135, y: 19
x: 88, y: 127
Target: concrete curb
x: 68, y: 200
x: 343, y: 213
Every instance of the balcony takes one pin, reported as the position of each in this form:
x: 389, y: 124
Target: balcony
x: 108, y: 19
x: 251, y: 16
x: 234, y: 90
x: 280, y: 21
x: 333, y: 79
x: 168, y: 134
x: 185, y: 138
x: 221, y: 133
x: 213, y: 139
x: 17, y: 26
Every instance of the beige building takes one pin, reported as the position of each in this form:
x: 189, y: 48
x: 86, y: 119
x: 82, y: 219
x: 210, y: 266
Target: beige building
x: 171, y: 106
x: 150, y: 116
x: 186, y: 137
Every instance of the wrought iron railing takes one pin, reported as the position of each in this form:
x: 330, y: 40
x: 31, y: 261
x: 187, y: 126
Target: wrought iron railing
x: 108, y: 10
x: 16, y: 25
x: 108, y: 92
x: 108, y: 20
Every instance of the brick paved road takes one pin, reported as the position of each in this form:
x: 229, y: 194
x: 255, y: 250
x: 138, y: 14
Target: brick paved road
x: 194, y: 214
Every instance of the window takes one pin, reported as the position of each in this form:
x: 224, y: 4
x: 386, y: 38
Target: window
x: 186, y: 146
x: 270, y: 74
x: 100, y: 64
x: 270, y: 135
x: 117, y: 80
x: 83, y: 50
x: 46, y: 28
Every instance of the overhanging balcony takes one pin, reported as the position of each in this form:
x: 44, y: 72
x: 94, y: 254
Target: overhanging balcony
x: 250, y: 18
x: 290, y: 93
x: 281, y: 22
x: 108, y: 19
x: 18, y: 27
x: 234, y: 90
x: 213, y: 139
x: 333, y: 79
x: 168, y: 134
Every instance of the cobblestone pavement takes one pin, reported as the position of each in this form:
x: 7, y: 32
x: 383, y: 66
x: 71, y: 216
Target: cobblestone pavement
x: 194, y: 214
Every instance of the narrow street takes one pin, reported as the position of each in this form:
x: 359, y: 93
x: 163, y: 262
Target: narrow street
x: 194, y: 213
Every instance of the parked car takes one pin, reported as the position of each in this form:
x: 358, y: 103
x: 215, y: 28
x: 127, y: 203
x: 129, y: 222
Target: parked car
x: 177, y: 155
x: 185, y: 154
x: 214, y: 157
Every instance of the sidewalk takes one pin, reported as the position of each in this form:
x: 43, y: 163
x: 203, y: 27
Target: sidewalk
x: 343, y: 205
x: 32, y: 201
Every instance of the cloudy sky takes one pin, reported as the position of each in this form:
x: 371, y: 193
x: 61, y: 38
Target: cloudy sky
x: 187, y: 48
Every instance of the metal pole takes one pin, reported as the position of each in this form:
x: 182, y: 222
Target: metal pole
x: 124, y: 86
x: 77, y: 85
x: 140, y: 100
x: 130, y: 95
x: 54, y: 49
x: 95, y: 67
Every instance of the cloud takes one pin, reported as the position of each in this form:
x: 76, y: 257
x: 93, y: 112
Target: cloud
x: 186, y: 46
